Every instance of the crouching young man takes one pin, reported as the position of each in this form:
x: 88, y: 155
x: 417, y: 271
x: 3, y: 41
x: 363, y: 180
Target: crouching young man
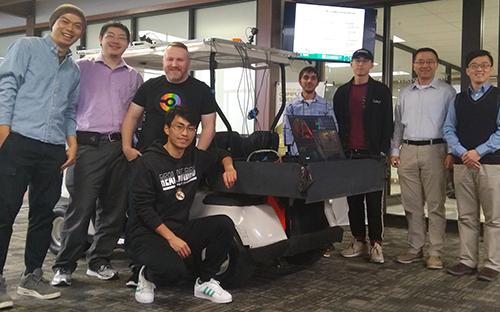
x: 164, y: 184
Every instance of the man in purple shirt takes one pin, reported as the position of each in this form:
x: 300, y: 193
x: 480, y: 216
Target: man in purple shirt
x: 107, y: 87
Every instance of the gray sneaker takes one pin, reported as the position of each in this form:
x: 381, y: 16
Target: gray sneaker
x: 33, y: 284
x: 5, y: 299
x: 62, y: 277
x: 105, y: 272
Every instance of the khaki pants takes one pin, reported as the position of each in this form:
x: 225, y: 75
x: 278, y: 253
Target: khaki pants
x: 474, y: 188
x: 422, y: 176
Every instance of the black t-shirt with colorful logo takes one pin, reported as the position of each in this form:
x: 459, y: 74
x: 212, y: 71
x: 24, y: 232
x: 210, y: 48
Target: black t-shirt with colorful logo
x: 157, y: 96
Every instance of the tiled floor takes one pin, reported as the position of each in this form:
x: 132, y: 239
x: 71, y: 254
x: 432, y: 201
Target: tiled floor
x: 332, y: 284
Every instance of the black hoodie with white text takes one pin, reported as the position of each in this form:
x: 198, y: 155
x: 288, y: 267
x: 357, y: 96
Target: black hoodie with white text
x: 163, y: 187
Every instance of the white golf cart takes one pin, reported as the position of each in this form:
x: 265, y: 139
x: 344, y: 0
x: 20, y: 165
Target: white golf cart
x: 277, y: 207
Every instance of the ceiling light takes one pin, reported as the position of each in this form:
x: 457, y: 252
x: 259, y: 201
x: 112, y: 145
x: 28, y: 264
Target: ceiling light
x: 396, y: 39
x: 337, y: 65
x: 396, y: 73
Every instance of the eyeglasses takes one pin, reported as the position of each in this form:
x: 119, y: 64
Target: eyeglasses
x: 181, y: 128
x: 361, y: 61
x: 421, y: 62
x: 475, y: 66
x: 112, y: 36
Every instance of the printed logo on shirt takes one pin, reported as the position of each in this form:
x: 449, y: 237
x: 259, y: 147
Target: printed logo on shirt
x: 172, y: 179
x: 169, y: 100
x: 376, y: 101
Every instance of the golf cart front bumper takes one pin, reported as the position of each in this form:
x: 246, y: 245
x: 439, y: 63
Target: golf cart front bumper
x: 297, y: 244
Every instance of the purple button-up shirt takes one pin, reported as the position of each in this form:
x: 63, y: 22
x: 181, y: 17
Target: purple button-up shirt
x: 105, y: 95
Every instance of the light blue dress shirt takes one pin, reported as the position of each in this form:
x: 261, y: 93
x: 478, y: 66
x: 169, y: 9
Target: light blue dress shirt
x: 298, y: 106
x: 420, y: 112
x: 37, y: 94
x: 450, y: 128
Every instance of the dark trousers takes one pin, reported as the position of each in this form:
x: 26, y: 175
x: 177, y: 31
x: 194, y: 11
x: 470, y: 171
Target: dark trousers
x: 23, y: 162
x: 165, y: 267
x: 131, y: 213
x: 99, y: 173
x: 373, y: 211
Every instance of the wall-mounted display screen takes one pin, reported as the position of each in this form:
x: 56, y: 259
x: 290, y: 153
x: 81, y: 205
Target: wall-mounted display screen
x: 327, y: 33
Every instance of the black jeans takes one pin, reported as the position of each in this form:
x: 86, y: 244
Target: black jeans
x: 23, y: 162
x: 373, y: 208
x: 165, y: 267
x: 373, y: 212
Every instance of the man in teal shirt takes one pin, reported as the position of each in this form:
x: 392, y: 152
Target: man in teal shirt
x: 39, y: 86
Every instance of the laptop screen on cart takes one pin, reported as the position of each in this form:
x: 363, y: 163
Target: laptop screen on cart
x: 316, y: 138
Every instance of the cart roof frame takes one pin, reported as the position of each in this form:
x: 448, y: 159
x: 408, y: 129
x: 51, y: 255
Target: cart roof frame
x: 228, y: 54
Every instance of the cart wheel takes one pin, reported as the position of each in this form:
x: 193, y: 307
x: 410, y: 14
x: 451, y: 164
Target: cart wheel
x: 306, y: 258
x: 238, y: 267
x: 57, y: 225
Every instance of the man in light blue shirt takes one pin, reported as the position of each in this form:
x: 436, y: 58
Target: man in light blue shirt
x: 308, y: 103
x: 39, y: 86
x: 420, y: 154
x: 472, y: 130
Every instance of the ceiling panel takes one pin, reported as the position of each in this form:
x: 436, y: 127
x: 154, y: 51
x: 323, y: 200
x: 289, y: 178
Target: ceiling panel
x: 451, y: 17
x: 443, y: 6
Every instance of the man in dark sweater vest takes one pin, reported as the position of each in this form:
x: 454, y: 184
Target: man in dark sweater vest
x: 363, y: 108
x: 472, y: 130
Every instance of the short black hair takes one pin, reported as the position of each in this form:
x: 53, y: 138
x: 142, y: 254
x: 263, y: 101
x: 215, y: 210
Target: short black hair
x: 425, y: 50
x: 477, y: 53
x: 308, y: 69
x: 183, y: 112
x: 116, y: 24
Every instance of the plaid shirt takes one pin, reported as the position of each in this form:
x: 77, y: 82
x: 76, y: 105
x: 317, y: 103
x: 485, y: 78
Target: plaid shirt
x: 300, y: 107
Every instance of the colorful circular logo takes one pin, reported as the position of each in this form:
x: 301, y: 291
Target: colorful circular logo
x: 169, y: 100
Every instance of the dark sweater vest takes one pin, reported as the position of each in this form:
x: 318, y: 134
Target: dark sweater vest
x: 477, y: 121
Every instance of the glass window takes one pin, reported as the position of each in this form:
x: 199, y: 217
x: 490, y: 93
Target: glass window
x: 226, y: 22
x: 158, y: 27
x: 435, y: 24
x: 235, y: 87
x: 490, y: 37
x: 401, y: 79
x: 380, y: 22
x: 92, y: 34
x: 455, y: 79
x: 441, y: 72
x: 6, y: 41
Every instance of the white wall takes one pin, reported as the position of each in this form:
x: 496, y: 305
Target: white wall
x: 45, y: 8
x: 8, y: 21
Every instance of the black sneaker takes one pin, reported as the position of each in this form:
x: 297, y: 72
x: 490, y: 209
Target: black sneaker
x: 134, y: 278
x: 33, y: 284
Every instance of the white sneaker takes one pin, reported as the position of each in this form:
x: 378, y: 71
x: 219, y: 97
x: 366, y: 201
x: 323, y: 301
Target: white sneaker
x: 145, y: 291
x: 355, y: 248
x: 376, y: 255
x: 212, y: 291
x: 62, y: 277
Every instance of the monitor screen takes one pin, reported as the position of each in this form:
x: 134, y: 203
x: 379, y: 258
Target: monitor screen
x: 316, y: 138
x: 327, y: 33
